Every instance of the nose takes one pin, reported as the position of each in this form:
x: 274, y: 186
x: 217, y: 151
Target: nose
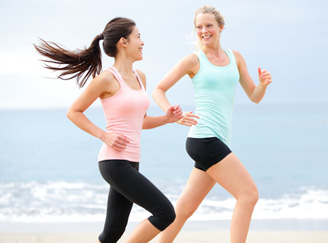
x: 204, y: 29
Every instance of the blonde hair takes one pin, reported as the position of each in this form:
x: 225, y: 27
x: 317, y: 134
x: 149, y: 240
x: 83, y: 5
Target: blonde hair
x: 217, y: 15
x: 210, y: 9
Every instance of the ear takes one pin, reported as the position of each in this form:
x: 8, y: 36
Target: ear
x: 123, y: 41
x: 221, y: 28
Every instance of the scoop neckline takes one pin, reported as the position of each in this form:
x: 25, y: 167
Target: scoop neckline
x: 140, y: 84
x: 213, y: 65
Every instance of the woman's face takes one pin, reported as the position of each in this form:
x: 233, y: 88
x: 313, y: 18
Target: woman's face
x: 207, y: 28
x: 135, y: 44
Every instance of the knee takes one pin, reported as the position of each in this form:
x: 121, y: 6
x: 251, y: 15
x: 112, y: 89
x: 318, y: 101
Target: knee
x: 250, y: 197
x: 169, y: 216
x: 254, y: 197
x: 111, y: 235
x: 185, y: 211
x: 162, y: 219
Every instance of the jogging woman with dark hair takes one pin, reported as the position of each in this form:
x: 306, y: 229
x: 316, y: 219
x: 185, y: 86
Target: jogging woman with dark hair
x: 121, y: 90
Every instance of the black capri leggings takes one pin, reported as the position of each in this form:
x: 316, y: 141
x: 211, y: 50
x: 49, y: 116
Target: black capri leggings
x: 128, y: 186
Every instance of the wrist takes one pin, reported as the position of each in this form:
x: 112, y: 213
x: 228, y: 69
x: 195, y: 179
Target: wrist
x: 165, y: 120
x: 102, y: 135
x: 262, y: 85
x: 166, y: 109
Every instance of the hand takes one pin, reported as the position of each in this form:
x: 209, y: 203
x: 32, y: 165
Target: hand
x: 264, y: 77
x: 116, y: 141
x: 188, y: 119
x: 174, y: 114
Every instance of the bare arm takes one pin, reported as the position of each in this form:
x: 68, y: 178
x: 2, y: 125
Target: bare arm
x: 173, y: 114
x: 99, y: 86
x: 255, y: 93
x: 188, y: 65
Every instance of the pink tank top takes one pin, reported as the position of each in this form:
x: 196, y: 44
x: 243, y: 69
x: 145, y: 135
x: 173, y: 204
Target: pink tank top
x: 124, y: 114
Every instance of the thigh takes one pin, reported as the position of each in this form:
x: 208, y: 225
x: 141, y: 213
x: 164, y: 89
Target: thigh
x: 232, y: 175
x: 129, y: 182
x: 117, y: 215
x: 198, y: 186
x: 118, y: 207
x: 142, y: 192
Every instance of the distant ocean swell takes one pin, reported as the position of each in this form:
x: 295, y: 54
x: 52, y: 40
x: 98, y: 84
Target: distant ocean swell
x: 82, y: 202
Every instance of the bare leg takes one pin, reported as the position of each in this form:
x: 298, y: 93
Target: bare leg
x: 144, y: 232
x: 231, y: 174
x: 198, y: 186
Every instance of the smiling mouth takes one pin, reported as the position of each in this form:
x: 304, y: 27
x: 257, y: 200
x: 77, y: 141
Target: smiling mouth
x: 206, y: 37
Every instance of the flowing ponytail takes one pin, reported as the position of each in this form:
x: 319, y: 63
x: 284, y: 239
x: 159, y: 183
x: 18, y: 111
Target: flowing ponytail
x: 81, y: 64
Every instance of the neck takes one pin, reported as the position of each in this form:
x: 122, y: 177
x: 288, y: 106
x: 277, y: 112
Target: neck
x: 213, y: 50
x: 123, y: 65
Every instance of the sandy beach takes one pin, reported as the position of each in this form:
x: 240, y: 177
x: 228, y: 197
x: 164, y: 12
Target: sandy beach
x: 262, y: 231
x: 184, y: 237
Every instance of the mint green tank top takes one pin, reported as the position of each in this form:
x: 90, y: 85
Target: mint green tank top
x: 214, y: 90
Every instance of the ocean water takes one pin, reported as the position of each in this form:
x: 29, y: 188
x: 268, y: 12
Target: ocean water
x: 49, y: 172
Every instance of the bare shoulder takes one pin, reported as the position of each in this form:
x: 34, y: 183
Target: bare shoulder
x: 239, y: 57
x: 189, y: 65
x: 142, y: 76
x: 106, y: 84
x: 237, y: 54
x: 105, y: 79
x: 191, y: 59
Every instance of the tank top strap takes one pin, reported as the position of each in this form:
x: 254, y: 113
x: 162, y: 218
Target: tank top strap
x: 201, y: 57
x: 231, y: 55
x: 119, y: 78
x: 117, y: 75
x: 139, y: 79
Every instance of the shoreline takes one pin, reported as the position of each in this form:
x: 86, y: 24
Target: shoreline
x: 268, y: 231
x: 183, y: 237
x: 265, y: 225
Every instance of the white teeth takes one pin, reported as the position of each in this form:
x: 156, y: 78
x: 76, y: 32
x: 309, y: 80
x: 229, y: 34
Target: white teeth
x: 206, y: 37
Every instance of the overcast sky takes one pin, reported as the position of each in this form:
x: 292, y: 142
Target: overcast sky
x: 288, y: 38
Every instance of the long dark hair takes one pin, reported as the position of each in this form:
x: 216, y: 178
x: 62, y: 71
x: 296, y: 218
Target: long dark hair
x: 81, y: 64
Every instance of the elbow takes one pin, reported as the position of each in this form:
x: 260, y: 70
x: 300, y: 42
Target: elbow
x: 69, y: 114
x: 146, y: 126
x: 256, y: 101
x: 156, y: 92
x: 145, y: 123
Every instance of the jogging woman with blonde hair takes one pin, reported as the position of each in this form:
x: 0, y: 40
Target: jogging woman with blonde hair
x: 214, y: 72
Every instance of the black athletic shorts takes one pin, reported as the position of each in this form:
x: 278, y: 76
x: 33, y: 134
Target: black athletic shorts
x: 206, y: 151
